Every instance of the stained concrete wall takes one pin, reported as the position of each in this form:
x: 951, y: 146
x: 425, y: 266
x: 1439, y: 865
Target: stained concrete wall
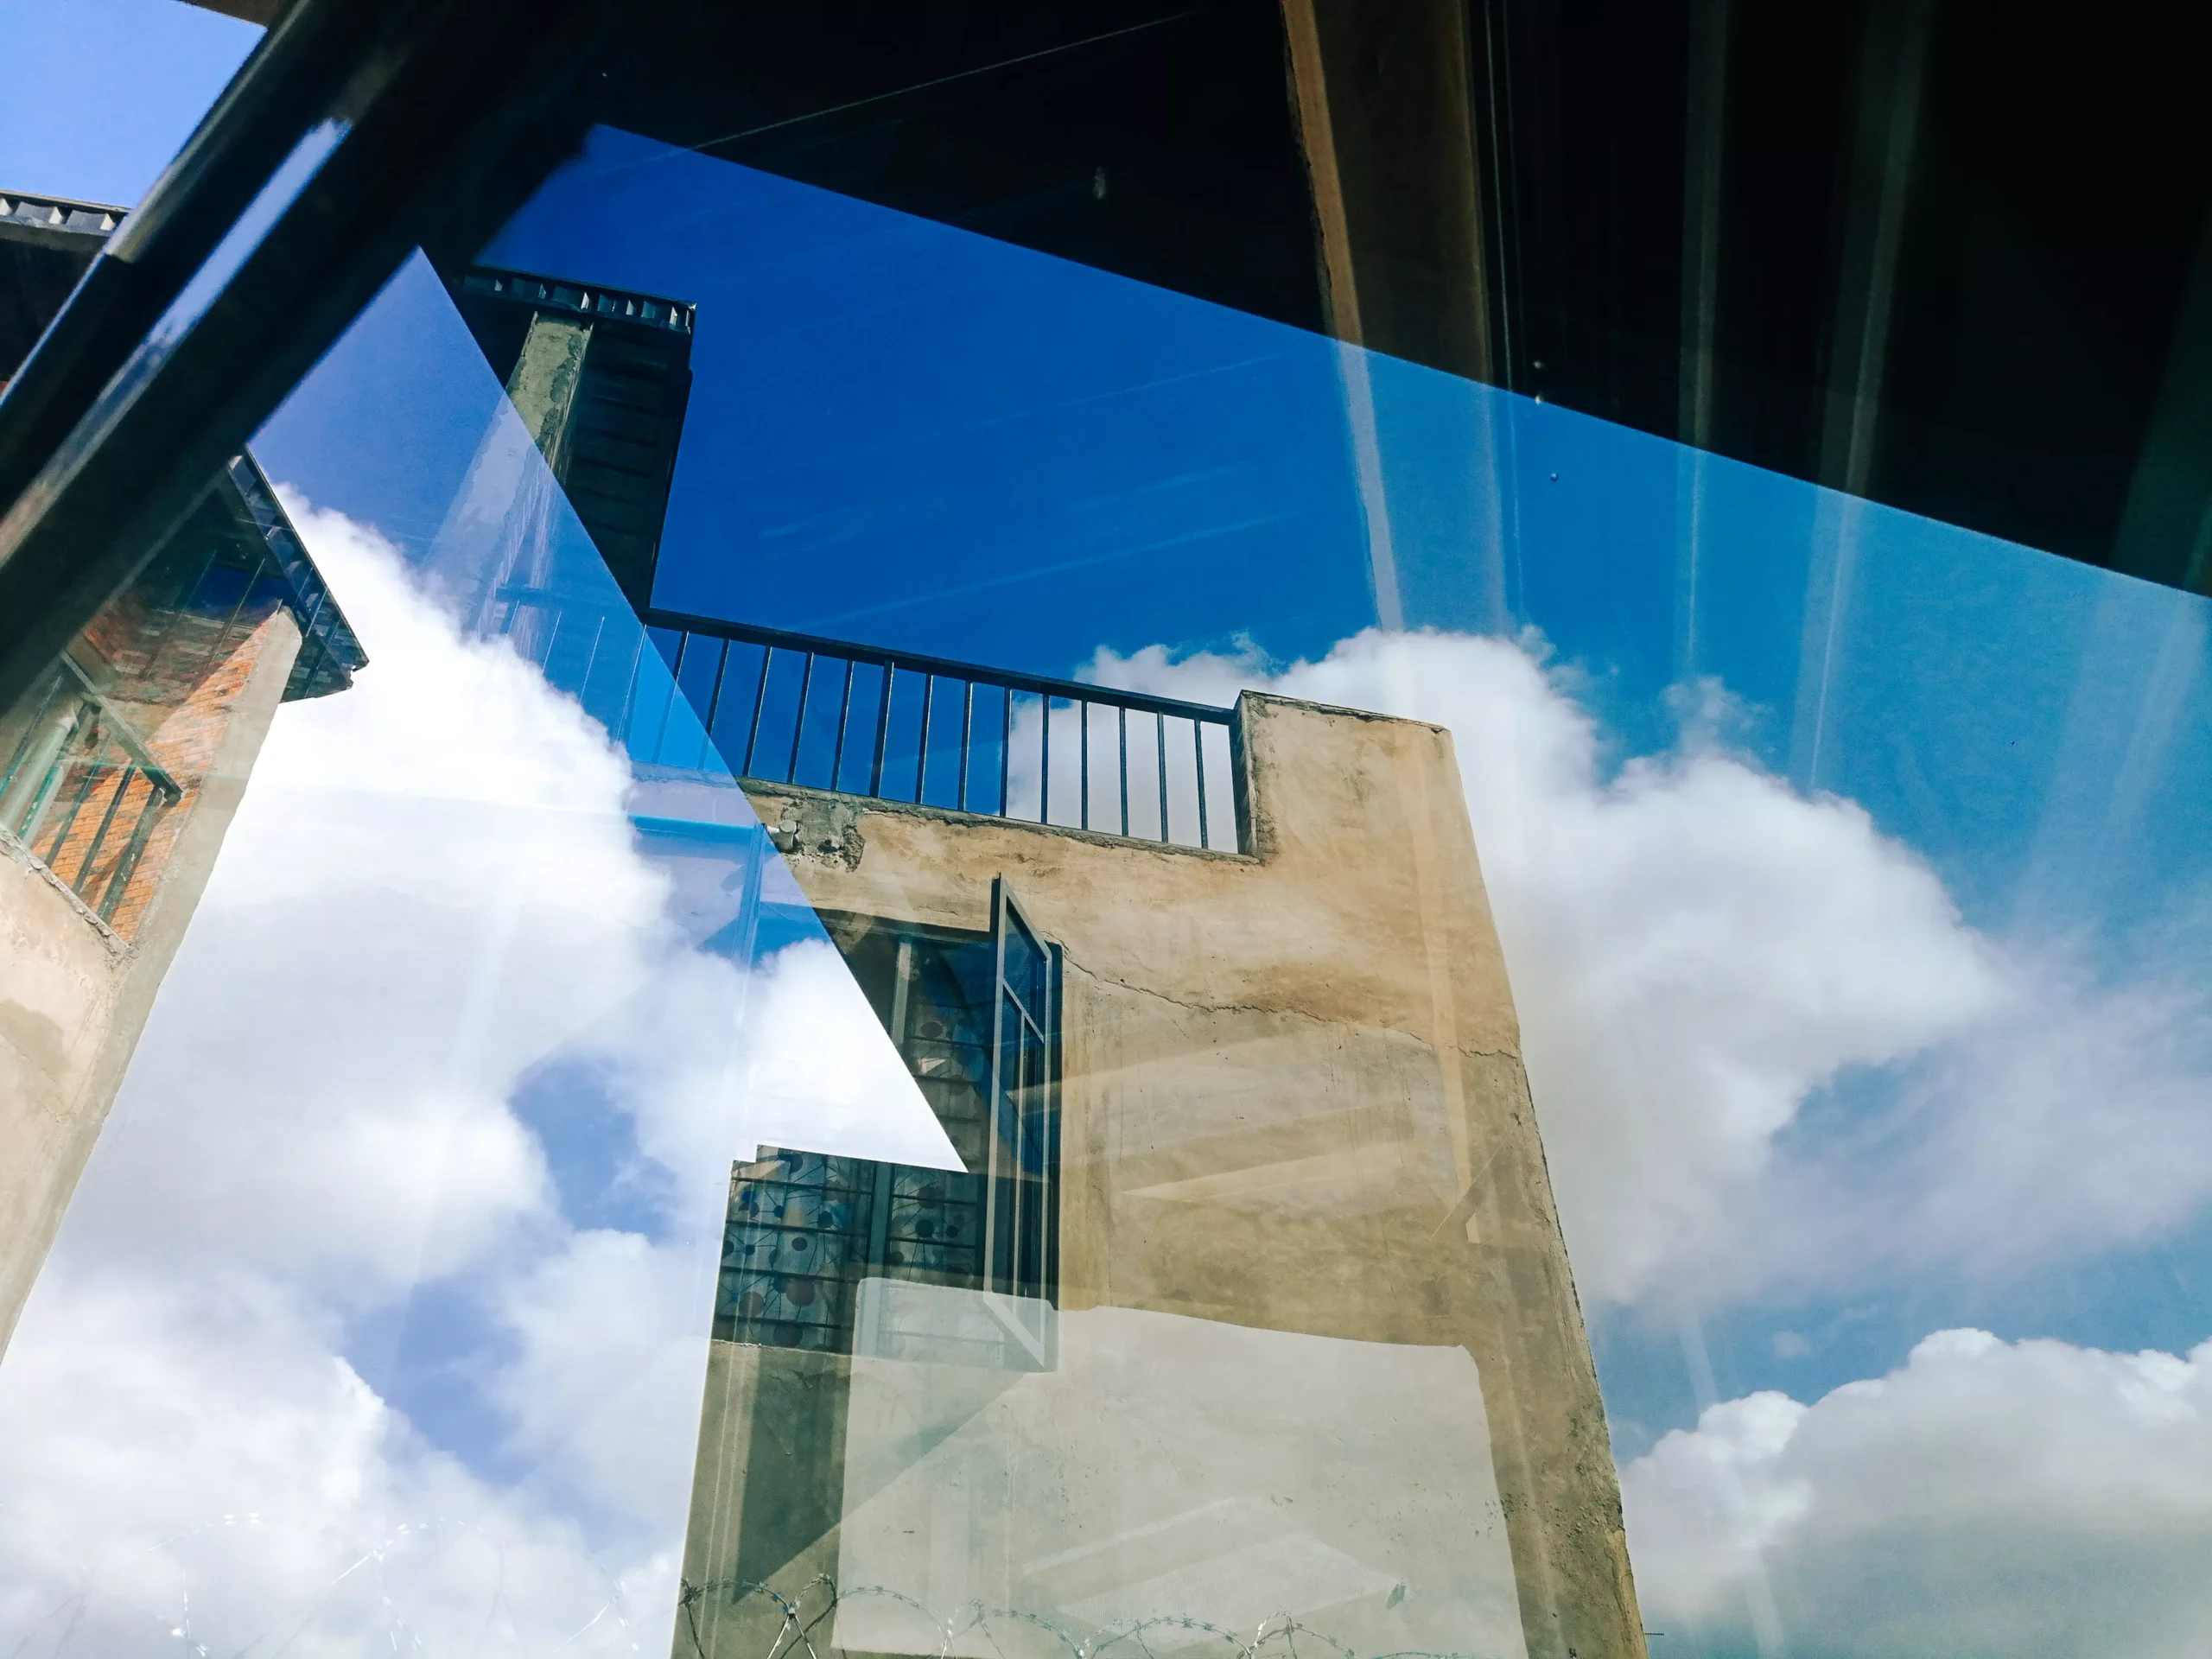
x: 75, y: 991
x: 1294, y: 1103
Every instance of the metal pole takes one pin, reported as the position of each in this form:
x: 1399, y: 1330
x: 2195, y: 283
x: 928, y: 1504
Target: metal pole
x: 922, y: 760
x: 1123, y: 717
x: 149, y: 814
x: 675, y: 690
x: 798, y: 725
x: 882, y: 732
x: 844, y: 718
x: 713, y: 698
x: 1159, y: 747
x: 451, y: 113
x: 289, y: 84
x: 967, y: 736
x: 92, y: 848
x: 760, y: 701
x: 1198, y: 749
x: 77, y: 803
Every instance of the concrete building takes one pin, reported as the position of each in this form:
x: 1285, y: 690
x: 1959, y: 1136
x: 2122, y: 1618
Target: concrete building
x: 602, y: 378
x: 119, y: 773
x: 1251, y: 1302
x: 1247, y: 1310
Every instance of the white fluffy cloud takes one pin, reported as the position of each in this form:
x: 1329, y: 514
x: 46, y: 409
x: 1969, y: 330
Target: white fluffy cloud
x: 2075, y: 1119
x: 432, y: 902
x: 1990, y: 1499
x: 432, y: 896
x: 1694, y: 946
x: 1696, y: 949
x: 202, y: 1469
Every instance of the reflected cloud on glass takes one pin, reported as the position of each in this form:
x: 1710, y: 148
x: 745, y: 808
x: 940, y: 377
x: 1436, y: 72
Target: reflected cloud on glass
x: 322, y: 1311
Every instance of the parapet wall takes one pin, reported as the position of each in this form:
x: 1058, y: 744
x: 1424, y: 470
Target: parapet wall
x: 1293, y: 1103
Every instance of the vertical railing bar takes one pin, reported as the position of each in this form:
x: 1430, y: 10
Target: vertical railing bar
x: 24, y: 819
x: 1199, y: 750
x: 759, y: 702
x: 1122, y: 717
x: 798, y: 725
x: 630, y: 690
x: 1006, y: 753
x: 31, y: 731
x: 92, y: 848
x: 675, y: 690
x: 715, y: 697
x: 591, y: 656
x: 967, y: 736
x: 119, y: 880
x: 84, y: 792
x: 922, y: 761
x: 1082, y: 713
x: 1160, y: 749
x: 713, y: 706
x: 1044, y: 764
x: 844, y: 719
x: 882, y: 732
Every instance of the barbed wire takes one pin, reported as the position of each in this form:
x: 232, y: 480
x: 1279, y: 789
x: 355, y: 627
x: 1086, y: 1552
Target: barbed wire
x: 400, y: 1636
x: 799, y: 1618
x: 796, y: 1631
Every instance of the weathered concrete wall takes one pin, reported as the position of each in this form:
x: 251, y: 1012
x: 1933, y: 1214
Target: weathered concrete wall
x: 1294, y: 1102
x: 75, y: 991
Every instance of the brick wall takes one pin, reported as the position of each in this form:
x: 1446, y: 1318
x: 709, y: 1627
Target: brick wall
x: 175, y: 676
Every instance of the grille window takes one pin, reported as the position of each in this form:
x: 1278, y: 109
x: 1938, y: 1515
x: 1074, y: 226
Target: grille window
x: 974, y: 1018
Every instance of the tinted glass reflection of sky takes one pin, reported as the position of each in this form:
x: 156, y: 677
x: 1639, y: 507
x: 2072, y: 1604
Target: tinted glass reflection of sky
x: 403, y: 427
x: 908, y: 434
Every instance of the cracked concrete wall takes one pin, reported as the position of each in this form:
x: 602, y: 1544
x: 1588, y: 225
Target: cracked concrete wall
x: 1294, y: 1097
x: 74, y: 994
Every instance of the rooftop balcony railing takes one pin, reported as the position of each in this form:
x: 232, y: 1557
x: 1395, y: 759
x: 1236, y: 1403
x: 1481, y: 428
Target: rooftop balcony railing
x: 892, y: 725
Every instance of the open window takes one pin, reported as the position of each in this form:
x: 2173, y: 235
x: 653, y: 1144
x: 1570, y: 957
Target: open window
x: 849, y: 1255
x: 1021, y: 1223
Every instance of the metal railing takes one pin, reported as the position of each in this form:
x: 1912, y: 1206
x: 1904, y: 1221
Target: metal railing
x: 792, y: 708
x: 78, y: 773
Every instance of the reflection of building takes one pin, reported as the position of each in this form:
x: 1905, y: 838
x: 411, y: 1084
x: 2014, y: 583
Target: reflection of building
x: 601, y: 378
x: 46, y: 243
x: 818, y: 1247
x: 119, y: 773
x: 1295, y: 1332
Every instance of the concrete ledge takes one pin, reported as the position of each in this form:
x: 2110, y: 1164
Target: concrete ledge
x: 31, y: 864
x: 757, y: 790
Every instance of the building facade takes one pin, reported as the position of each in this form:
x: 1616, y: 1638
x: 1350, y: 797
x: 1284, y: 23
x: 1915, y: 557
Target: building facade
x: 119, y: 775
x: 1298, y: 1340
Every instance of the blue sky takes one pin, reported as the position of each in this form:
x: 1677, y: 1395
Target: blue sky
x: 105, y: 90
x: 1027, y: 460
x: 905, y: 434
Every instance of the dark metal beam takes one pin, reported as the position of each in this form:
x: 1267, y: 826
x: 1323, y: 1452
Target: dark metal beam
x: 1386, y: 122
x: 292, y: 80
x: 452, y: 111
